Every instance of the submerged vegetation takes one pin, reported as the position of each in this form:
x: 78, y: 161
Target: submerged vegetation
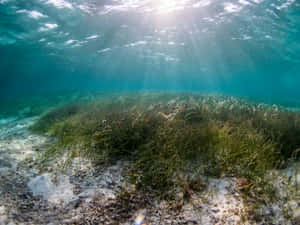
x: 174, y: 142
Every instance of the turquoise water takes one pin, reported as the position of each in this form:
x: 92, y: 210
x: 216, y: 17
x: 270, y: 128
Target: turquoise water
x: 108, y: 107
x: 241, y: 47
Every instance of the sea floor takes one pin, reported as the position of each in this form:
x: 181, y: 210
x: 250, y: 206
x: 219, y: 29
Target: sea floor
x: 34, y: 193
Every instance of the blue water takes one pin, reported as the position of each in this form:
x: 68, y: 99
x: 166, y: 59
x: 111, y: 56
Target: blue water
x: 240, y: 47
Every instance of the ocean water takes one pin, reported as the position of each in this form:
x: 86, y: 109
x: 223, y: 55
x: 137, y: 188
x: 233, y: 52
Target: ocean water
x: 237, y: 47
x: 149, y: 112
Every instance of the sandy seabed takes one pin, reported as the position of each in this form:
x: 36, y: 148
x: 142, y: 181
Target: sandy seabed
x: 31, y: 193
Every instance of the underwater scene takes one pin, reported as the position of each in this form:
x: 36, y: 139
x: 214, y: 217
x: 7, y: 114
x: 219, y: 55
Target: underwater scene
x: 149, y: 112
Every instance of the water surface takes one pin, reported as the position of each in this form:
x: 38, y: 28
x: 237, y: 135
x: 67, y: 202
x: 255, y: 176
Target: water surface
x: 241, y: 47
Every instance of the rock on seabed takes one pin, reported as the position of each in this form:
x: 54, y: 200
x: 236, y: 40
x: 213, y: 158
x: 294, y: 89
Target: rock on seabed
x: 59, y: 192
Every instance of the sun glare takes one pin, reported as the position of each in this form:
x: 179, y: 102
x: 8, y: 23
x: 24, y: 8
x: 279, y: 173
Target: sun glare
x: 167, y: 6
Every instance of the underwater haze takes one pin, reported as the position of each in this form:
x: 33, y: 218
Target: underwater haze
x: 149, y: 112
x: 239, y: 47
